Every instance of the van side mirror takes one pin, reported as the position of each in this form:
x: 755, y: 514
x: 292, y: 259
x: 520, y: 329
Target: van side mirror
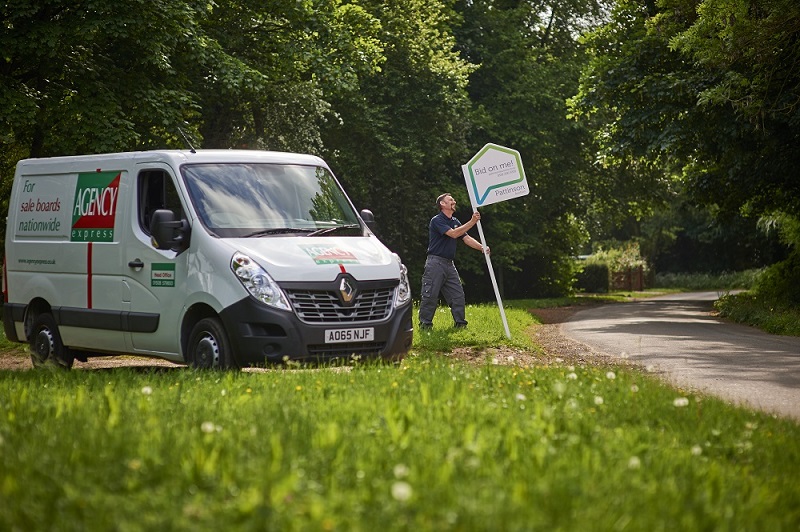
x: 369, y: 219
x: 167, y: 232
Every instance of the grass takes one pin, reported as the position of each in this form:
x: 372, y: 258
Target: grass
x: 752, y: 309
x: 431, y: 444
x: 707, y: 281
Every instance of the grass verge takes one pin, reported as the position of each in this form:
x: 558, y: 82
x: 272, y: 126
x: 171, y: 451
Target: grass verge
x: 431, y: 444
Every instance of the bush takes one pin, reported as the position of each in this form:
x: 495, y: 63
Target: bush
x: 780, y: 283
x: 594, y: 278
x: 709, y: 281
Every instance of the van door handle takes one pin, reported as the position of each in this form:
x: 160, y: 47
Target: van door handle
x: 136, y: 263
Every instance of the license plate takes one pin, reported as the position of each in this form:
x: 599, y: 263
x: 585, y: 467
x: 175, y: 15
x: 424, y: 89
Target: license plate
x: 335, y: 336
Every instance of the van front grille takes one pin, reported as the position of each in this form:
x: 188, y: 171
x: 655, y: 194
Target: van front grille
x: 328, y: 351
x: 323, y: 306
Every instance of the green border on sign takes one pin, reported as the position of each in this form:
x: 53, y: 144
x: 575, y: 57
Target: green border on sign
x: 480, y: 154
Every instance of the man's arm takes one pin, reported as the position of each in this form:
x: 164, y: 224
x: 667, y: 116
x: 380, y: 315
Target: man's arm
x: 474, y: 244
x: 461, y: 230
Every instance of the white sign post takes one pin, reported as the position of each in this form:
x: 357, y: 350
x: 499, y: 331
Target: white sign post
x: 494, y: 174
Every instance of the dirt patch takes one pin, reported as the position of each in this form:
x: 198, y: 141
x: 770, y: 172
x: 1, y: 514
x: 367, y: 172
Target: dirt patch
x: 554, y: 348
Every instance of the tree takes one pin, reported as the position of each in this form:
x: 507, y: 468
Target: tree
x: 274, y: 67
x: 529, y: 60
x: 703, y: 92
x: 397, y: 138
x: 81, y: 77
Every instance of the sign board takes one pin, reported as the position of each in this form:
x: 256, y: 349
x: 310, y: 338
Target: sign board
x: 495, y: 174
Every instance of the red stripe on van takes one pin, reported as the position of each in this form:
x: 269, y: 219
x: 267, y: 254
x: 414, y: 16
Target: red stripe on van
x: 89, y: 276
x: 341, y: 267
x: 5, y: 281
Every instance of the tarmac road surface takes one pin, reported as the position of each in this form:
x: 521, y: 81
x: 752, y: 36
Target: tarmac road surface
x: 677, y: 336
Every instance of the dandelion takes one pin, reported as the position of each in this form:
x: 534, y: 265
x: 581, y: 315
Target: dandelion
x: 697, y: 450
x: 680, y: 402
x: 401, y: 491
x: 611, y: 375
x: 634, y: 462
x: 634, y: 388
x: 146, y: 390
x: 208, y: 427
x: 521, y: 397
x: 401, y: 471
x: 298, y: 388
x: 572, y: 376
x: 223, y: 393
x: 598, y: 400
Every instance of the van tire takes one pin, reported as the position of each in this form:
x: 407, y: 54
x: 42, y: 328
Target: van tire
x: 209, y: 347
x: 46, y: 346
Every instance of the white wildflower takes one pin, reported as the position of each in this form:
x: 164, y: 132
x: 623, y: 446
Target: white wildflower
x: 146, y: 390
x: 400, y: 471
x: 681, y: 402
x: 401, y: 491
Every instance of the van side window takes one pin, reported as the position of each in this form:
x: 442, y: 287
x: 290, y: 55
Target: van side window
x: 156, y: 191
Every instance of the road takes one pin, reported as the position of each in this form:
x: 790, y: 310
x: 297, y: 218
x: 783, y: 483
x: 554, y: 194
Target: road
x: 677, y: 336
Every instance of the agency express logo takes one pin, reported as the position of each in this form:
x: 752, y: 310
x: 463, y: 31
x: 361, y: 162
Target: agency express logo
x: 330, y: 255
x: 95, y: 207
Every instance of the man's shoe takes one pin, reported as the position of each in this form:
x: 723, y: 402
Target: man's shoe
x: 460, y: 325
x: 425, y: 326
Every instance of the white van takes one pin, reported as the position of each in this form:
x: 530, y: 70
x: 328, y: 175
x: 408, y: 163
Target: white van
x: 212, y: 258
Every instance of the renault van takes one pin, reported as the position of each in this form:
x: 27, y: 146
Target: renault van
x: 210, y: 258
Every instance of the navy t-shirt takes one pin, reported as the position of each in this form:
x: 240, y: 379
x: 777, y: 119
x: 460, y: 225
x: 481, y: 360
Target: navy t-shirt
x: 439, y: 243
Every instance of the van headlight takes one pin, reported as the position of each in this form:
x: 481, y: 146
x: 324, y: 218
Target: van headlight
x: 402, y: 294
x: 258, y: 282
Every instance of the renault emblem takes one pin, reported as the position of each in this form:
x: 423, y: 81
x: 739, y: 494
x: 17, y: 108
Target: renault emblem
x: 347, y: 291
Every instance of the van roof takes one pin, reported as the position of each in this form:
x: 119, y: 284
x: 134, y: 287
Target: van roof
x: 179, y: 157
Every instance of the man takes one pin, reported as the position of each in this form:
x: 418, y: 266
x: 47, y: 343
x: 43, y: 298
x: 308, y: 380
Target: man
x: 440, y: 273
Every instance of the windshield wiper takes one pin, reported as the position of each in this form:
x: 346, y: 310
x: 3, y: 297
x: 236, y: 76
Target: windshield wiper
x: 329, y: 230
x: 276, y: 231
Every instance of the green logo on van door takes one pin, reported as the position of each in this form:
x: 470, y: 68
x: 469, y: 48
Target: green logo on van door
x: 162, y: 274
x: 94, y: 210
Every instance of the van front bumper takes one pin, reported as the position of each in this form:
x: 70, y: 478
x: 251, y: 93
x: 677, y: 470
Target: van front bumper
x: 259, y: 334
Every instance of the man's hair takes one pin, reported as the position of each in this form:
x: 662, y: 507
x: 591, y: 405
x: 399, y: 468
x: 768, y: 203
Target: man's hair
x: 440, y: 199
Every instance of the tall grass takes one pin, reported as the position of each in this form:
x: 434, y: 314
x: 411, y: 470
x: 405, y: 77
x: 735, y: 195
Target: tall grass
x: 430, y: 444
x: 708, y: 281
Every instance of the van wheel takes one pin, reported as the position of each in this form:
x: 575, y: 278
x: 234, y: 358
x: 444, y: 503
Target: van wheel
x: 209, y: 347
x: 46, y: 345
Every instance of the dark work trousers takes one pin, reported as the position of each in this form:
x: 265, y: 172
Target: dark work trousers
x: 441, y: 276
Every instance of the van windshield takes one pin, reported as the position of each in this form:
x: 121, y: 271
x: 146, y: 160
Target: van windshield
x: 254, y: 200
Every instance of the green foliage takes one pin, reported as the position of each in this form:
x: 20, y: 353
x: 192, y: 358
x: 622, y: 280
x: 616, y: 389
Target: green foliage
x: 745, y: 280
x: 528, y: 62
x: 395, y: 139
x: 700, y: 90
x: 618, y: 256
x: 753, y: 308
x: 594, y: 277
x: 780, y: 283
